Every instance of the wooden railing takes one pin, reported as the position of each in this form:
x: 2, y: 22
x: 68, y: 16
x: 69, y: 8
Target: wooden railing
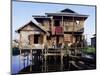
x: 73, y: 28
x: 57, y: 30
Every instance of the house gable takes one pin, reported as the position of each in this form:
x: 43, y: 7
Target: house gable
x: 67, y: 11
x: 31, y: 27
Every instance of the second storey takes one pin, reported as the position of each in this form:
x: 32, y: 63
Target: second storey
x: 62, y: 22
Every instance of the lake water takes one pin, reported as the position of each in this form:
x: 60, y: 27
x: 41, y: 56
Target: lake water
x: 20, y: 64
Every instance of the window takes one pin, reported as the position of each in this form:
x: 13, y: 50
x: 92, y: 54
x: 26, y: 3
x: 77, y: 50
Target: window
x: 36, y: 38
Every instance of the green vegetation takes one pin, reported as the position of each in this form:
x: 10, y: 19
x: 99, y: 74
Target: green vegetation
x: 89, y: 50
x: 15, y: 51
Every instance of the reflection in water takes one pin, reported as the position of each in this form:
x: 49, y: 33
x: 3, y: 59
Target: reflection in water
x: 27, y: 64
x: 20, y: 62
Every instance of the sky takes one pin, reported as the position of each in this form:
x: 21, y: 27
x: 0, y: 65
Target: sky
x: 22, y: 13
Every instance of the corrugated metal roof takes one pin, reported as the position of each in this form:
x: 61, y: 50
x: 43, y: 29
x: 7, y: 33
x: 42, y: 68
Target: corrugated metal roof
x: 66, y: 14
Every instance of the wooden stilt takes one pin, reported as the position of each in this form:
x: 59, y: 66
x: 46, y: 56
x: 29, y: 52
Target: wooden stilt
x: 20, y: 51
x: 69, y: 65
x: 42, y: 55
x: 45, y: 66
x: 45, y: 57
x: 45, y: 60
x: 27, y: 59
x: 24, y: 60
x: 42, y: 66
x: 31, y: 60
x: 19, y: 58
x: 31, y: 68
x: 42, y: 60
x: 61, y: 60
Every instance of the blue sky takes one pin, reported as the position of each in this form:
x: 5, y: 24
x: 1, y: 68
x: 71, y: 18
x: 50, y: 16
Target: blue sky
x: 22, y: 13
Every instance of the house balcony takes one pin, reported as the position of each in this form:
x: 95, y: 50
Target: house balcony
x: 57, y: 30
x: 73, y: 29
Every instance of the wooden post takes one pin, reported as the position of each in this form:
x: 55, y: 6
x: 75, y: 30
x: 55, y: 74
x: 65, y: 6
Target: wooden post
x: 24, y: 59
x: 45, y: 52
x: 19, y: 58
x: 82, y: 45
x: 73, y: 28
x: 62, y: 22
x: 42, y: 61
x: 20, y: 43
x: 20, y: 46
x: 55, y: 48
x: 45, y: 60
x: 27, y: 59
x: 31, y: 60
x: 82, y: 38
x: 61, y: 60
x: 73, y: 35
x: 61, y: 50
x: 42, y: 55
x: 45, y: 43
x: 52, y: 26
x: 20, y: 51
x: 45, y: 64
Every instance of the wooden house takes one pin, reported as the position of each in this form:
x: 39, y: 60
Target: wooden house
x: 32, y: 36
x: 63, y: 26
x: 53, y: 30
